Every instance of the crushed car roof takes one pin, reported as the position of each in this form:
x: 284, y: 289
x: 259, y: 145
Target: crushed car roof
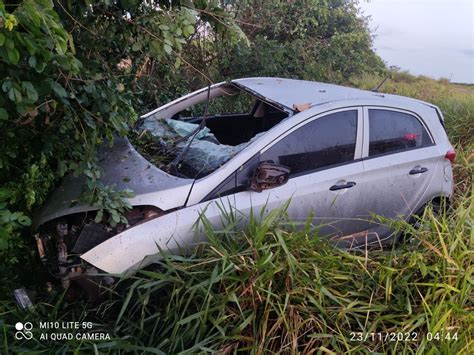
x: 291, y: 92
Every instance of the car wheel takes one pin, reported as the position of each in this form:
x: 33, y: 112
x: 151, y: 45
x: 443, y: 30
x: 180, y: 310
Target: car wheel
x: 415, y: 220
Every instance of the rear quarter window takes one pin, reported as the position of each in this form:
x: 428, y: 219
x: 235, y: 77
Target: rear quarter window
x: 394, y: 131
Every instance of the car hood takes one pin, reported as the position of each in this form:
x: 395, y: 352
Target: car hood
x: 121, y: 165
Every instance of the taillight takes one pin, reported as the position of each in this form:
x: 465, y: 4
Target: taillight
x: 450, y: 155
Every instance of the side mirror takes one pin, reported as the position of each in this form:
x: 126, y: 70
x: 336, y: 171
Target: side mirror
x: 269, y: 175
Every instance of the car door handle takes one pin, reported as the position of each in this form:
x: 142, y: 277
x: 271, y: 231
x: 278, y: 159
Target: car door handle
x: 340, y: 187
x: 418, y: 171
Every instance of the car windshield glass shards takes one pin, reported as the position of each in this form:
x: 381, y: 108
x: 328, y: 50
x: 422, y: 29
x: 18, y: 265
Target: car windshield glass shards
x: 192, y: 141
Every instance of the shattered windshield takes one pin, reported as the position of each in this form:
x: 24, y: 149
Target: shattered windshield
x: 234, y: 120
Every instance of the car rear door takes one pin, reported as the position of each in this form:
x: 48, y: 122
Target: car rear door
x: 399, y: 158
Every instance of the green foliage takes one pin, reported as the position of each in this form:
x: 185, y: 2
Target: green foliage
x: 68, y: 73
x: 239, y: 102
x: 318, y: 40
x: 144, y: 44
x: 108, y: 200
x: 9, y: 221
x: 266, y: 289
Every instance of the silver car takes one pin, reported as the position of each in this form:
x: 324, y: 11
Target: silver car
x: 339, y: 155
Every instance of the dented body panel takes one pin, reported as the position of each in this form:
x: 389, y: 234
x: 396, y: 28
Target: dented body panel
x: 180, y: 230
x: 122, y: 166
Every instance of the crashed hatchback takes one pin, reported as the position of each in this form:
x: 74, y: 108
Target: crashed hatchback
x: 340, y: 155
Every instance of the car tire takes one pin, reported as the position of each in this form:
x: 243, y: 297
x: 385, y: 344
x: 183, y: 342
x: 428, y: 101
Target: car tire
x: 414, y: 219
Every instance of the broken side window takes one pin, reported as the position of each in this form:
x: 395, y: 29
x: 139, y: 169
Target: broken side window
x: 230, y: 101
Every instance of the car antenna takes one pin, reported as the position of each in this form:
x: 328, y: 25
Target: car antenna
x: 174, y: 164
x: 376, y: 89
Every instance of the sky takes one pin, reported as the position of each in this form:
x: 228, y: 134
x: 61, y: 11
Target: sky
x: 426, y: 37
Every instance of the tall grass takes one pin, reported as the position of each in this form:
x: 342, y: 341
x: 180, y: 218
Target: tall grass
x: 272, y: 288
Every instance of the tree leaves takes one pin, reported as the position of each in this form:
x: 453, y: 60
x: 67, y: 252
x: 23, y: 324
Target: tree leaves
x: 318, y: 40
x: 155, y: 48
x: 10, y: 22
x: 64, y: 92
x: 188, y: 30
x: 137, y: 46
x: 13, y: 55
x: 31, y: 92
x: 58, y: 89
x: 14, y: 95
x: 3, y: 114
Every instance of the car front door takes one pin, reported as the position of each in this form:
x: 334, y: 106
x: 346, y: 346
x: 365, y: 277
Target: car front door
x: 323, y: 154
x: 399, y: 161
